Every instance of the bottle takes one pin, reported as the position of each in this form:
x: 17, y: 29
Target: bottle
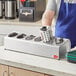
x: 17, y: 7
x: 1, y: 8
x: 10, y: 9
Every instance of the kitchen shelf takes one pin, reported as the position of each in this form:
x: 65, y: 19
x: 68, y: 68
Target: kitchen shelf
x: 17, y: 22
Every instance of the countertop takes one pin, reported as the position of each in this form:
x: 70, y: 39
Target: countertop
x: 7, y: 26
x: 36, y: 63
x: 16, y: 22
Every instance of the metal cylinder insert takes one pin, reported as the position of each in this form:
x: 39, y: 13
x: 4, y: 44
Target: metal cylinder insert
x: 46, y: 34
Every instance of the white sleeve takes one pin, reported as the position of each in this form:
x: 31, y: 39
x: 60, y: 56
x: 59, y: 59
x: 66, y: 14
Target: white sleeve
x: 51, y: 5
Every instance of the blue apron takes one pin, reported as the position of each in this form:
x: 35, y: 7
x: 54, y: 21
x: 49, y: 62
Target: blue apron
x: 66, y: 22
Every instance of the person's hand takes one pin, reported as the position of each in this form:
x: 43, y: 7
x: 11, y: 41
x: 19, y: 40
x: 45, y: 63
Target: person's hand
x: 73, y: 49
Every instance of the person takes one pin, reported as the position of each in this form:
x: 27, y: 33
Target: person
x: 64, y: 12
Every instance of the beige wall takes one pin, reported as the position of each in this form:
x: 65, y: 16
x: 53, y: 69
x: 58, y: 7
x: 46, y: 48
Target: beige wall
x: 46, y: 1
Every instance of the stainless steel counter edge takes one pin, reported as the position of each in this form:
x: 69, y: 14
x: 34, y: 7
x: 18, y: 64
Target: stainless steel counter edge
x: 33, y: 68
x: 35, y: 63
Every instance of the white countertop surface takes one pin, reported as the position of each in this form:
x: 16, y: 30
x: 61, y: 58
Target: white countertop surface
x: 36, y: 63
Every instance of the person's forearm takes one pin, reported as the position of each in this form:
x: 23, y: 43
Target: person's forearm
x: 47, y: 17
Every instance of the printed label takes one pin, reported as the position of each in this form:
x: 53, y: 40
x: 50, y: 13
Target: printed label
x: 55, y: 56
x: 70, y: 1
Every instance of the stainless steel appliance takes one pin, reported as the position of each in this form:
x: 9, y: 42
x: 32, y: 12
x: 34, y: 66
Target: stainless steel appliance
x: 1, y: 8
x: 31, y: 10
x: 10, y: 9
x: 33, y: 44
x: 17, y: 8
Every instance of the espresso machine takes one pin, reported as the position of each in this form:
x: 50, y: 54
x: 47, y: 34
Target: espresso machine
x: 31, y: 10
